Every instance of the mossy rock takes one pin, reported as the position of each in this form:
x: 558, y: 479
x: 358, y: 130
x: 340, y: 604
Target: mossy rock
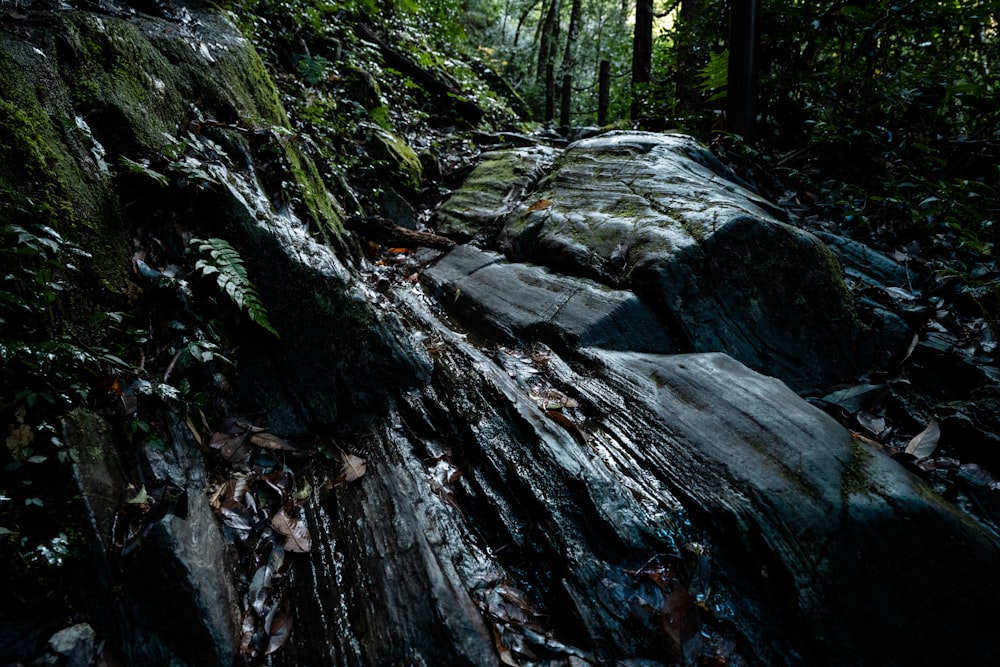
x: 81, y: 90
x: 401, y: 164
x: 658, y: 214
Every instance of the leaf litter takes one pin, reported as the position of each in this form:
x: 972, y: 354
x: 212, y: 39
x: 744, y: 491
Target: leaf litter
x: 519, y: 629
x: 261, y: 505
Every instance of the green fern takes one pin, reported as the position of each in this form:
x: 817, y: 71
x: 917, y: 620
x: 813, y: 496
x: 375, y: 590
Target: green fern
x: 223, y: 261
x: 715, y: 75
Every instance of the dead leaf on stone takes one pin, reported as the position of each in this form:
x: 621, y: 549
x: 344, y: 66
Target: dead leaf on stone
x: 140, y: 497
x: 353, y: 468
x: 925, y: 442
x: 247, y: 631
x: 294, y: 530
x: 231, y: 447
x: 443, y: 477
x: 569, y: 425
x: 236, y: 516
x: 269, y: 441
x: 875, y: 424
x: 506, y: 655
x: 281, y: 630
x: 19, y: 438
x: 279, y: 481
x: 539, y: 205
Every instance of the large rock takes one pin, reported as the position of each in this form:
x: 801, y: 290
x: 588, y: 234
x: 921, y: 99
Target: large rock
x: 688, y: 507
x: 659, y: 214
x: 514, y: 302
x: 163, y: 602
x: 812, y: 521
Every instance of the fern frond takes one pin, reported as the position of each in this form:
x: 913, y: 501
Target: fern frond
x: 715, y: 75
x: 224, y: 262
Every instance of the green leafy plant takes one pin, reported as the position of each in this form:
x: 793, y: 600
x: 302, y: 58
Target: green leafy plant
x: 223, y: 261
x: 38, y: 258
x: 314, y: 69
x: 715, y: 76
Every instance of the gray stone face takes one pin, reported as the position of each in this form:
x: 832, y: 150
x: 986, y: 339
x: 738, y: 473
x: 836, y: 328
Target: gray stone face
x: 481, y: 502
x: 811, y: 519
x: 515, y: 302
x: 659, y: 215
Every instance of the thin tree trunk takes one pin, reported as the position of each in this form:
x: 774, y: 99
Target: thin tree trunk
x: 548, y: 39
x: 741, y: 98
x: 688, y: 99
x: 604, y: 92
x: 569, y: 60
x: 642, y: 53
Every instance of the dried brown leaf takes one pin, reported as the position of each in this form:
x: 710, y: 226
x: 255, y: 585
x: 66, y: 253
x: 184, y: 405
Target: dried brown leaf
x: 19, y: 439
x: 294, y: 530
x: 270, y: 441
x: 539, y: 205
x: 506, y: 656
x: 924, y: 443
x: 281, y: 630
x: 569, y: 425
x: 236, y: 516
x: 354, y: 467
x: 194, y: 430
x: 875, y: 424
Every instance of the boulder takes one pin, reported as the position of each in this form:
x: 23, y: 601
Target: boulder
x: 658, y: 214
x: 688, y: 508
x: 512, y: 302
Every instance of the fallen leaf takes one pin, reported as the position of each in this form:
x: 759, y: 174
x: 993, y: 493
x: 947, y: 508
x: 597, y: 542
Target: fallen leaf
x: 141, y: 497
x: 539, y: 205
x: 248, y: 630
x: 279, y: 481
x: 569, y: 425
x: 281, y: 629
x: 260, y: 588
x: 19, y: 438
x: 354, y: 467
x: 194, y: 430
x: 924, y: 443
x: 506, y: 656
x: 236, y: 516
x: 269, y: 441
x: 294, y: 530
x: 873, y: 423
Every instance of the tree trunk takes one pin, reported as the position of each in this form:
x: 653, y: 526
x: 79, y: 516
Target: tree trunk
x: 566, y: 97
x: 741, y: 100
x: 688, y: 62
x: 642, y: 54
x: 569, y: 60
x: 548, y: 40
x: 603, y: 92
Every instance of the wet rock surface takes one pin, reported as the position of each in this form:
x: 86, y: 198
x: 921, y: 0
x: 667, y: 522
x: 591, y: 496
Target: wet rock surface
x: 560, y: 445
x: 658, y: 214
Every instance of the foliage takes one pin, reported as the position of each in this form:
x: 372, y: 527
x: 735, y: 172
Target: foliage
x: 509, y: 34
x: 223, y: 261
x: 715, y: 76
x: 38, y: 258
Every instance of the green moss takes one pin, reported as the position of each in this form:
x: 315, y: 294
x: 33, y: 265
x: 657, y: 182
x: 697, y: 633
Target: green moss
x: 314, y: 194
x: 30, y: 165
x: 855, y: 479
x: 400, y: 160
